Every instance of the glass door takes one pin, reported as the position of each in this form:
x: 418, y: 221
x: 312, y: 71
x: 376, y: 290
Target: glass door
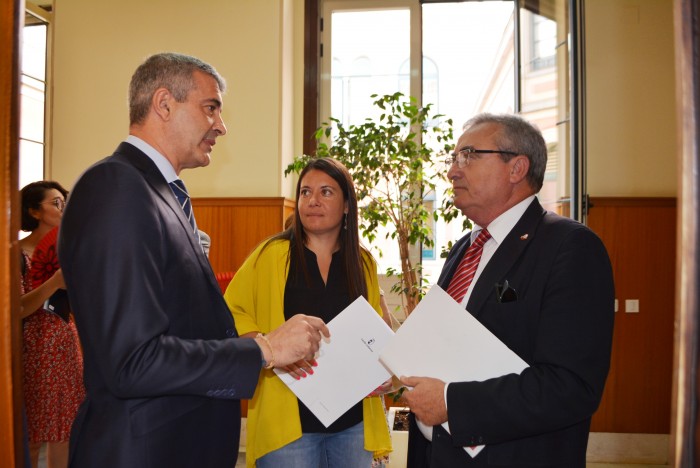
x: 463, y: 58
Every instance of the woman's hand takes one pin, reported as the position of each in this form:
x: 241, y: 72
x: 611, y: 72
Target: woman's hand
x: 301, y: 369
x: 386, y: 387
x: 34, y: 299
x: 57, y: 280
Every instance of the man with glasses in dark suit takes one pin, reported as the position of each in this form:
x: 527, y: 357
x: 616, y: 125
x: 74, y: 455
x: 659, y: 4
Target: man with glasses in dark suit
x: 539, y: 282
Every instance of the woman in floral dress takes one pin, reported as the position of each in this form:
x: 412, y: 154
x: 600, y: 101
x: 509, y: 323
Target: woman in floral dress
x: 53, y: 364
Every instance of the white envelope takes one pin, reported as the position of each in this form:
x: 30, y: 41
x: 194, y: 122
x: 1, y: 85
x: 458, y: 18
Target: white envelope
x: 348, y: 364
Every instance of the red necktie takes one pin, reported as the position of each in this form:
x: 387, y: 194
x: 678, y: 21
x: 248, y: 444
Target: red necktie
x: 467, y: 267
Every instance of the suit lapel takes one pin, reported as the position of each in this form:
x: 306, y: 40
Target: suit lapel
x: 155, y: 179
x: 453, y: 260
x: 510, y: 250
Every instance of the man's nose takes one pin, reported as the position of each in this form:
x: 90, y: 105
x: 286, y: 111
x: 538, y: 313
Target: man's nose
x: 453, y: 172
x: 220, y: 126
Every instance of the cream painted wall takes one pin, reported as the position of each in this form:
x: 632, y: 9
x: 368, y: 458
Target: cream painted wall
x: 258, y: 46
x: 630, y: 98
x: 289, y: 183
x: 252, y: 43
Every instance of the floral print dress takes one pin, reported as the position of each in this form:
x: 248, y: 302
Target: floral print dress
x: 53, y: 371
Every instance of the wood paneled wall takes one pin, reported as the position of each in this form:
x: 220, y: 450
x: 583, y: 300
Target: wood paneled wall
x: 237, y: 225
x: 640, y: 235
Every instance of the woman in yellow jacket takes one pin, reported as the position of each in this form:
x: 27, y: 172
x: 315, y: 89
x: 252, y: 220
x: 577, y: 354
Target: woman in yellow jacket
x: 316, y: 267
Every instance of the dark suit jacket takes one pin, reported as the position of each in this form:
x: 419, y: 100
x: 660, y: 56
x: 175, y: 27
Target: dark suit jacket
x: 560, y: 323
x: 162, y: 372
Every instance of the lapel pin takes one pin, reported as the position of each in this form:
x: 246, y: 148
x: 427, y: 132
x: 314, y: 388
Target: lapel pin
x: 524, y: 237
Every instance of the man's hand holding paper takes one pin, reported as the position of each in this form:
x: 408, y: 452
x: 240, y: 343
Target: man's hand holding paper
x: 297, y: 339
x: 348, y: 365
x: 455, y: 347
x: 426, y: 399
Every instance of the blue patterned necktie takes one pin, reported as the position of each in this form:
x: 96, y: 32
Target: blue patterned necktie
x: 178, y: 188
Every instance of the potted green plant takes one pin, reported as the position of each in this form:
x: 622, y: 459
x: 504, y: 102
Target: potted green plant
x: 394, y: 160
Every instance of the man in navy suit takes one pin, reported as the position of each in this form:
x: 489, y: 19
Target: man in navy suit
x: 544, y: 287
x: 164, y: 368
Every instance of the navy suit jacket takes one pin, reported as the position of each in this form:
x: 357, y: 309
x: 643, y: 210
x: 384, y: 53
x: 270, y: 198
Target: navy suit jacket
x: 163, y: 373
x: 560, y: 321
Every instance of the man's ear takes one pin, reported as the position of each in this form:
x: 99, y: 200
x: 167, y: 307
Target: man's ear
x: 161, y: 103
x: 519, y: 167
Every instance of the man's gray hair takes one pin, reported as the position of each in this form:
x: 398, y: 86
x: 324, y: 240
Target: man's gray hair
x: 520, y: 136
x: 172, y: 71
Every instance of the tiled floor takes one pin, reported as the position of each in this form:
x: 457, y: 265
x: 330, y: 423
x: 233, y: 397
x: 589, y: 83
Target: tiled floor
x: 241, y: 463
x: 618, y: 465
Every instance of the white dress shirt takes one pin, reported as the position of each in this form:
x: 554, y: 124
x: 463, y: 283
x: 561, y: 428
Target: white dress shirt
x: 499, y: 229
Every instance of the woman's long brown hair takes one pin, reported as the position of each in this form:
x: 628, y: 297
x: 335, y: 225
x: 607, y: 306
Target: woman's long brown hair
x: 356, y: 257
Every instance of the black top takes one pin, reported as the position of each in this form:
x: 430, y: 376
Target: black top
x: 325, y: 301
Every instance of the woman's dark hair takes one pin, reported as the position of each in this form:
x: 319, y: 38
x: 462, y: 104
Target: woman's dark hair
x: 32, y: 195
x: 349, y: 239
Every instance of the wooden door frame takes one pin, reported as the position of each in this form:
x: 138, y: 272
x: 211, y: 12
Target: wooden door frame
x: 685, y: 440
x: 11, y: 440
x: 311, y: 74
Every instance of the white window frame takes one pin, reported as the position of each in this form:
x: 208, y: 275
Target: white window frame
x: 46, y: 17
x: 328, y: 7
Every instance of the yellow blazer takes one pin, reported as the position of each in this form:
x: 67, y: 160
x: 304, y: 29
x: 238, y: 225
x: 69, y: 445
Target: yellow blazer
x: 256, y: 299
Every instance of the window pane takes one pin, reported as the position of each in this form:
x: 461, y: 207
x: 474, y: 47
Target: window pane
x: 467, y: 69
x: 470, y: 45
x: 544, y: 85
x: 369, y: 48
x: 370, y: 55
x: 32, y: 101
x: 31, y: 162
x: 34, y: 51
x: 32, y: 113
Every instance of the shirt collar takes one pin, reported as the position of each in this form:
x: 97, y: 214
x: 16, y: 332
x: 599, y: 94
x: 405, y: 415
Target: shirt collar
x: 505, y: 222
x: 160, y: 161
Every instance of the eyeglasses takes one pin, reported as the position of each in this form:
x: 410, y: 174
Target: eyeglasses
x: 465, y: 155
x: 59, y: 203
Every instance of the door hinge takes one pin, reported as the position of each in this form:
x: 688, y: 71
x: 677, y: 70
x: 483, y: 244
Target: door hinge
x: 586, y: 204
x: 320, y: 48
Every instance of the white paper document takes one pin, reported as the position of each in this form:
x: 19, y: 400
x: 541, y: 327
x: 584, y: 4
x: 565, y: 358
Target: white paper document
x: 348, y: 364
x: 441, y: 339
